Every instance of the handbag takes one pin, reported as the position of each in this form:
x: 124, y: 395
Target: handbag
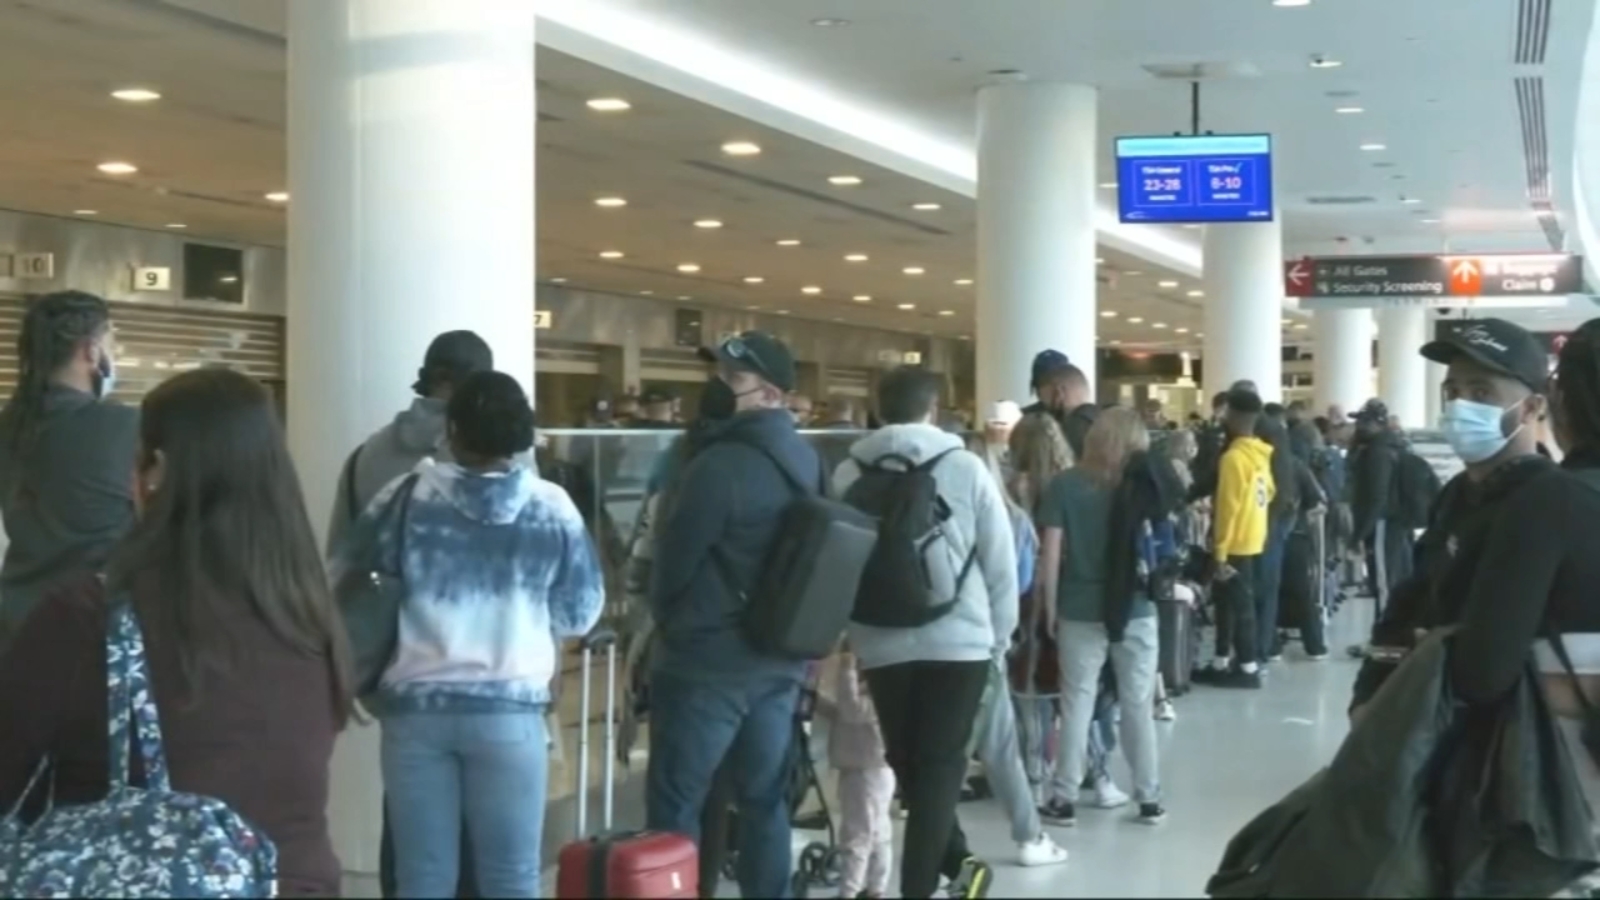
x: 1587, y: 715
x: 370, y: 598
x: 146, y: 841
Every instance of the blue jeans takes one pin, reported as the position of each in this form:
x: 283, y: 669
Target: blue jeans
x: 694, y: 725
x: 486, y: 769
x: 1268, y: 588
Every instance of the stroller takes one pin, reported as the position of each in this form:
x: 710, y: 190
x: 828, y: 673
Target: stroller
x: 818, y: 864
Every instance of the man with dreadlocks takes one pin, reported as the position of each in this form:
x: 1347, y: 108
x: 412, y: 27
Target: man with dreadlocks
x: 66, y: 452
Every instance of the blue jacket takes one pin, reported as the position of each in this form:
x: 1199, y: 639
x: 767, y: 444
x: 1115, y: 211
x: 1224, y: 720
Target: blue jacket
x: 715, y: 540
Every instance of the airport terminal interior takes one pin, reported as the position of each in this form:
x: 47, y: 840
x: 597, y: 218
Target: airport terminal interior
x: 1174, y: 195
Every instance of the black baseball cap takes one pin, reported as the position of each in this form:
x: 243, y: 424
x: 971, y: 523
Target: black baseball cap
x: 656, y: 396
x: 761, y: 353
x: 1497, y: 345
x: 453, y: 355
x: 1372, y: 412
x: 1045, y: 364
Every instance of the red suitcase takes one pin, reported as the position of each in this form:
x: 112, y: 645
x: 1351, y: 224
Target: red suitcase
x: 627, y: 865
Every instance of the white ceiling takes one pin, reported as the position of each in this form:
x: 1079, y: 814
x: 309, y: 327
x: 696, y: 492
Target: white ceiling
x: 214, y: 144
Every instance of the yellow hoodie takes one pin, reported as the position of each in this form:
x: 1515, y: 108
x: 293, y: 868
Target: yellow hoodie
x: 1244, y: 488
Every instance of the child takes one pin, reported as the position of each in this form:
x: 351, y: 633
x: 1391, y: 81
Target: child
x: 866, y: 787
x: 1244, y: 490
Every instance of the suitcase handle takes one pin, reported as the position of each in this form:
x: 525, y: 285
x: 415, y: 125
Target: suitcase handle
x: 606, y: 639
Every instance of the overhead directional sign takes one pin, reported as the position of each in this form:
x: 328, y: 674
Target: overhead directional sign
x: 1352, y: 279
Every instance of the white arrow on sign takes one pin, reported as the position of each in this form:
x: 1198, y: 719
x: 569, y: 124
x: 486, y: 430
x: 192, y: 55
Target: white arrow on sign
x: 1299, y: 274
x: 1465, y: 271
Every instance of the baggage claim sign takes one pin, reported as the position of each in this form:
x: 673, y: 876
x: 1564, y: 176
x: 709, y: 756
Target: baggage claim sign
x: 1509, y: 279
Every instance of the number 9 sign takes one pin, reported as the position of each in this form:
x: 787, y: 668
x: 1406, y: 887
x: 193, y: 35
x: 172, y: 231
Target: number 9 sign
x: 152, y: 278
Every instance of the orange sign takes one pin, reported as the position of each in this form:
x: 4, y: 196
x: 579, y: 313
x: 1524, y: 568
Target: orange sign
x: 1466, y: 276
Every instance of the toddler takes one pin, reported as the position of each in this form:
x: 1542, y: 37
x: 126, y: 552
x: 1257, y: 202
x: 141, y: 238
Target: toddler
x: 866, y: 787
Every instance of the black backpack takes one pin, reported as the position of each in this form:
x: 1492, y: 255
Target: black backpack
x: 802, y: 600
x: 897, y: 589
x: 1416, y: 487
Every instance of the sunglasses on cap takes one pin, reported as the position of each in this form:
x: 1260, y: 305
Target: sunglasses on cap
x: 735, y: 349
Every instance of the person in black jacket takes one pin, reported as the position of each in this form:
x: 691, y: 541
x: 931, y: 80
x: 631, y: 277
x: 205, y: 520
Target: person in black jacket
x: 1491, y: 364
x: 1374, y: 461
x: 1063, y: 392
x: 713, y: 695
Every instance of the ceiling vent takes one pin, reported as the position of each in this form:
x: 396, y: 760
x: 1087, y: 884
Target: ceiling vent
x: 1536, y: 155
x: 1337, y: 200
x: 1533, y: 32
x: 1202, y: 71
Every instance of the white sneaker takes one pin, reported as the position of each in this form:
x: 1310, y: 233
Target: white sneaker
x: 1106, y: 795
x: 1041, y: 851
x: 1165, y: 712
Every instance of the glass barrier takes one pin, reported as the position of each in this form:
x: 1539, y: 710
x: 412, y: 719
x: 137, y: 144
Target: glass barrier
x: 609, y: 474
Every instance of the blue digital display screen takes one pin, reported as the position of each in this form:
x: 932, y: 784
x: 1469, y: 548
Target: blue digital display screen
x: 1201, y: 178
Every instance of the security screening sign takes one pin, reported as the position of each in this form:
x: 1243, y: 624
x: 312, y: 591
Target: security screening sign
x: 1506, y: 279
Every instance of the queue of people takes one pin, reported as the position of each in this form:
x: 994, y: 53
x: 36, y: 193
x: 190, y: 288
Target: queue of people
x: 177, y: 536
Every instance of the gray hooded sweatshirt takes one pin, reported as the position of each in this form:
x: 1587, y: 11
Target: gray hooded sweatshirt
x: 394, y: 451
x: 979, y: 628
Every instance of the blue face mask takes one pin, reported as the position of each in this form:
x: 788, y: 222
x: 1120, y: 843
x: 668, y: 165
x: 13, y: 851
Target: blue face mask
x: 1476, y: 431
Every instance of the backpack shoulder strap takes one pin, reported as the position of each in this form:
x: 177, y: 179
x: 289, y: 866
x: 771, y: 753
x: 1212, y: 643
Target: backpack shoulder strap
x: 783, y: 470
x: 352, y: 501
x: 930, y: 464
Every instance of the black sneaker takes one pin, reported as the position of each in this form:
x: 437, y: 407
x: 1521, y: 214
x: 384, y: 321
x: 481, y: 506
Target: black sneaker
x: 1060, y: 813
x: 1151, y: 814
x: 1205, y: 675
x: 974, y: 881
x: 1240, y: 679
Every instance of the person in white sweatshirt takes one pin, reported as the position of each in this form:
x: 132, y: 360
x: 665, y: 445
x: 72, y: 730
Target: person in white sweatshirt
x: 927, y: 682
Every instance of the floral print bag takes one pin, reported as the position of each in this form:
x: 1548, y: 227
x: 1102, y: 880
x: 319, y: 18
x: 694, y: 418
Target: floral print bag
x: 139, y: 841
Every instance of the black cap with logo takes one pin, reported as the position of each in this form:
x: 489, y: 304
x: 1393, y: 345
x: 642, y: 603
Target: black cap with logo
x: 453, y: 356
x: 1496, y: 345
x: 761, y: 353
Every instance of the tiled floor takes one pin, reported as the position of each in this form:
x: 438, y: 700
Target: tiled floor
x: 1229, y: 755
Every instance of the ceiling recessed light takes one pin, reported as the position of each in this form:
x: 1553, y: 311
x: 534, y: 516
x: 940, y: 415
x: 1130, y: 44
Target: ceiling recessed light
x: 611, y: 254
x: 862, y: 298
x: 1192, y: 226
x: 753, y: 279
x: 1166, y: 284
x: 117, y: 168
x: 752, y: 308
x: 789, y: 242
x: 906, y: 306
x: 926, y: 207
x: 229, y: 279
x: 1291, y: 3
x: 811, y: 289
x: 176, y: 226
x: 1159, y: 325
x: 1182, y: 330
x: 947, y: 312
x: 844, y: 180
x: 1108, y: 314
x: 1430, y: 221
x: 1322, y: 62
x: 1108, y: 185
x: 1349, y: 110
x: 610, y: 104
x: 685, y: 297
x: 1197, y: 293
x: 136, y: 95
x: 1116, y: 343
x: 914, y: 270
x: 278, y: 197
x: 783, y: 312
x: 647, y: 293
x: 1410, y: 201
x: 1200, y: 334
x: 1099, y: 260
x: 688, y: 268
x: 707, y: 223
x: 963, y: 282
x: 830, y: 22
x: 1136, y: 320
x: 611, y: 202
x: 856, y: 257
x: 741, y: 148
x: 1374, y: 146
x: 558, y: 281
x: 86, y: 212
x: 1302, y: 327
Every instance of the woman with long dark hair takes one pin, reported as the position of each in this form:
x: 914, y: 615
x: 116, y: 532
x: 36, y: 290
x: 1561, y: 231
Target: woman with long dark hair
x: 65, y: 450
x: 247, y: 656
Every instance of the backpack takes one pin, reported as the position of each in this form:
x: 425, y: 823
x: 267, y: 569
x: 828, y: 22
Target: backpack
x: 1416, y: 487
x: 803, y: 598
x: 137, y: 842
x: 897, y: 589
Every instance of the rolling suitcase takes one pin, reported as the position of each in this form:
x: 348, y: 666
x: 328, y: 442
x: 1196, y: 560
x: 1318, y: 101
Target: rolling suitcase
x: 618, y: 864
x: 1177, y: 644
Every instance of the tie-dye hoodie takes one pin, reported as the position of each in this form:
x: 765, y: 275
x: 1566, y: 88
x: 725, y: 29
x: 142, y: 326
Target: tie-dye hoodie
x: 498, y: 569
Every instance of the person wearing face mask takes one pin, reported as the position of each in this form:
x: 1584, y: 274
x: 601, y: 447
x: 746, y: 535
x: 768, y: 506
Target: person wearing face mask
x: 713, y: 695
x: 1494, y: 398
x: 66, y: 451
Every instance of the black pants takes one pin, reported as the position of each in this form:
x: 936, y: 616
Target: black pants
x: 467, y: 884
x: 1388, y: 550
x: 926, y: 712
x: 1236, y: 610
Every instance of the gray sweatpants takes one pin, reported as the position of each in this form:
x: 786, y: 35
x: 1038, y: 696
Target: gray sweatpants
x: 1084, y: 647
x: 1000, y: 751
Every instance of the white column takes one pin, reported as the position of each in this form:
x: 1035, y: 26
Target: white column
x: 1244, y: 306
x: 1402, y: 379
x: 411, y: 146
x: 1434, y: 398
x: 1036, y: 236
x: 1342, y: 358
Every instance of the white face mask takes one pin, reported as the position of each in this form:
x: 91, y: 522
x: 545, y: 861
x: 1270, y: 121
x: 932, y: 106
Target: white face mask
x: 106, y: 375
x: 1475, y: 430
